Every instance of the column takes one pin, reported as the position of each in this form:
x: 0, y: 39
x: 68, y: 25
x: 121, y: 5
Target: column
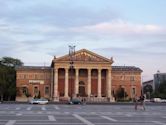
x: 109, y: 91
x: 56, y: 85
x: 66, y: 82
x: 52, y: 84
x: 76, y: 81
x: 99, y: 83
x: 89, y: 82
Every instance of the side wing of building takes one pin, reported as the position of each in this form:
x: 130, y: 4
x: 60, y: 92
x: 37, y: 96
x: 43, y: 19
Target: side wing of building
x: 127, y: 78
x: 33, y: 81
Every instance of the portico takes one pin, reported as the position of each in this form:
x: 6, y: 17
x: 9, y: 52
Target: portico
x: 91, y: 76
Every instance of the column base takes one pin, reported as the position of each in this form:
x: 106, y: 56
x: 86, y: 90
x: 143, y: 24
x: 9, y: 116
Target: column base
x: 111, y: 99
x: 56, y: 99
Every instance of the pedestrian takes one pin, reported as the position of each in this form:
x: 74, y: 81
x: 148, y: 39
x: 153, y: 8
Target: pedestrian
x: 142, y: 101
x: 84, y: 100
x: 136, y: 102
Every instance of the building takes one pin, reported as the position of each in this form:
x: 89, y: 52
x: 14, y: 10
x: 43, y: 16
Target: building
x: 158, y: 79
x: 148, y: 88
x: 149, y: 83
x: 86, y: 75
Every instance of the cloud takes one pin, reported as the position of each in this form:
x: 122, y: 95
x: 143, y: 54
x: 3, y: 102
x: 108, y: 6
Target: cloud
x: 59, y: 13
x: 122, y: 28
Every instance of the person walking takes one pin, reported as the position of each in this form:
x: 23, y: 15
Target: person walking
x: 135, y: 102
x: 142, y: 101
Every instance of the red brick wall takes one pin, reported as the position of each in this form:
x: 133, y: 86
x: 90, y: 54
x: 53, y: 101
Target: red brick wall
x: 23, y: 77
x: 124, y: 80
x: 94, y: 87
x: 61, y: 86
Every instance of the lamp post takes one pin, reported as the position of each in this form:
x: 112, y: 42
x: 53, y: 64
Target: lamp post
x: 124, y: 85
x: 71, y: 67
x: 132, y: 80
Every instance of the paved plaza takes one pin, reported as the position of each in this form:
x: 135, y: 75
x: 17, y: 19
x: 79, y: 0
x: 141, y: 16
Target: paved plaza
x: 51, y: 114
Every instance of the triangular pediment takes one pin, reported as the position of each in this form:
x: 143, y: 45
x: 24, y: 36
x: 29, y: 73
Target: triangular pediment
x: 84, y: 55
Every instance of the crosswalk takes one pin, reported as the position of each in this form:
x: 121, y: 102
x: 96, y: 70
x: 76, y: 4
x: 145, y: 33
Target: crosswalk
x: 79, y: 115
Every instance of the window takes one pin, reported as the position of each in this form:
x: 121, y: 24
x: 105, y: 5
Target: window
x: 36, y: 76
x: 113, y: 92
x: 46, y: 90
x: 24, y: 90
x: 133, y: 91
x: 36, y: 91
x: 132, y: 78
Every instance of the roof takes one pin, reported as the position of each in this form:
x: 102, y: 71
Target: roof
x: 149, y: 81
x: 126, y: 68
x: 33, y: 67
x: 85, y: 55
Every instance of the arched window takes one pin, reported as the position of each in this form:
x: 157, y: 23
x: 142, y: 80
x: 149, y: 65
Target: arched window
x: 24, y: 90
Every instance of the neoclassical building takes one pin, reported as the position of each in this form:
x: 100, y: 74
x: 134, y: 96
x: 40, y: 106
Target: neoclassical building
x: 88, y: 75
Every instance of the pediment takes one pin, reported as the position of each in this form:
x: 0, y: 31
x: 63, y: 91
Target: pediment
x: 84, y: 55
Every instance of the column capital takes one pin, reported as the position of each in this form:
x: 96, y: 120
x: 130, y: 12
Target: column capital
x: 76, y: 68
x: 89, y: 69
x: 99, y: 69
x: 67, y: 69
x: 109, y: 70
x: 56, y: 70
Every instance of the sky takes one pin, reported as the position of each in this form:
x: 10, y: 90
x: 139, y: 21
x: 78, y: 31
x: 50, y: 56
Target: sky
x: 133, y: 32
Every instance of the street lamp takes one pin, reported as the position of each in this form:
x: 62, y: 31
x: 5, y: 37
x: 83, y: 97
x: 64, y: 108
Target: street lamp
x: 132, y: 80
x: 124, y: 85
x: 71, y: 67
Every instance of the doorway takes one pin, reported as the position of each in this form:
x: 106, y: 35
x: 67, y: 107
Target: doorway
x: 82, y: 89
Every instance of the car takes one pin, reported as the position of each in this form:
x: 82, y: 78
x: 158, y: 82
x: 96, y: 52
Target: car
x: 74, y: 101
x: 156, y: 100
x: 33, y: 101
x: 39, y: 101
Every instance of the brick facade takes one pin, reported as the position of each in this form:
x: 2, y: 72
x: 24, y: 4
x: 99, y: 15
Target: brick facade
x: 89, y: 78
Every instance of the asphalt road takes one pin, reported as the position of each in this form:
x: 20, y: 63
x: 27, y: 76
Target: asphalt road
x: 28, y: 114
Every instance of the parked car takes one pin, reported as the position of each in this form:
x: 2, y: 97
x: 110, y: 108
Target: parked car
x: 39, y: 101
x: 156, y: 100
x: 74, y: 101
x: 33, y: 101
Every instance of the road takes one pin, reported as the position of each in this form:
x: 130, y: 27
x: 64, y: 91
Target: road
x: 51, y: 114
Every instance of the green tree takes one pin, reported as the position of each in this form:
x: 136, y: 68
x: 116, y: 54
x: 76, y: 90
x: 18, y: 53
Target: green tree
x: 11, y: 62
x: 148, y: 90
x: 8, y: 77
x: 161, y: 92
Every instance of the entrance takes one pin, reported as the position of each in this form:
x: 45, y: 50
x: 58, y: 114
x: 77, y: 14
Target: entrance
x: 81, y: 89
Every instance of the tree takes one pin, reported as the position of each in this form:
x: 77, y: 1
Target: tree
x: 8, y: 77
x: 3, y: 80
x: 148, y: 90
x: 10, y: 62
x: 161, y: 92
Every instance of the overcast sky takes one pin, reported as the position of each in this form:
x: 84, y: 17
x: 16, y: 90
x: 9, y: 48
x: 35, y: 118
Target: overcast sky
x: 133, y: 32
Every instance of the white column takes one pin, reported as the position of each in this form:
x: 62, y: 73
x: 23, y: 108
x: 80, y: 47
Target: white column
x: 76, y: 81
x: 66, y: 82
x: 56, y: 98
x: 89, y: 82
x: 99, y: 83
x: 52, y: 84
x: 109, y: 91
